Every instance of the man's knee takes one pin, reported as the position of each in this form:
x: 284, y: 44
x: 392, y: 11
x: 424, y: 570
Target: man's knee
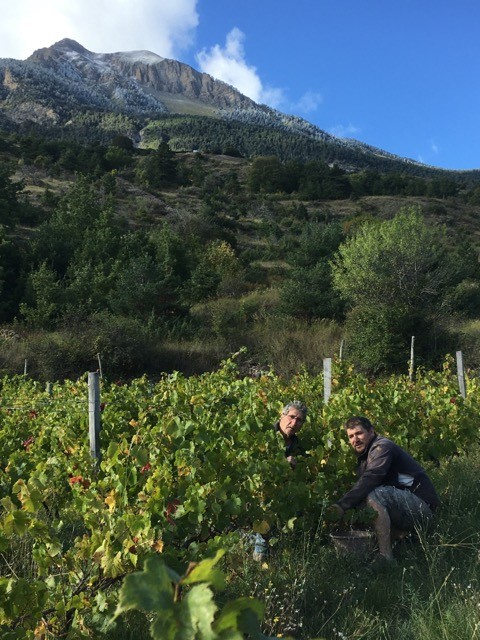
x: 375, y: 504
x: 405, y: 509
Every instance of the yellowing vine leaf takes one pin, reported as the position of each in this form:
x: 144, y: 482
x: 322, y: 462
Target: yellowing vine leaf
x: 110, y: 501
x: 261, y: 526
x: 158, y: 546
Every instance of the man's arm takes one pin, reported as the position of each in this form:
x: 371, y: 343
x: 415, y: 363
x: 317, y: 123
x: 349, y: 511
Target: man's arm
x: 378, y: 465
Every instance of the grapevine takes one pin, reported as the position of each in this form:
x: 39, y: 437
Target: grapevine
x: 188, y: 463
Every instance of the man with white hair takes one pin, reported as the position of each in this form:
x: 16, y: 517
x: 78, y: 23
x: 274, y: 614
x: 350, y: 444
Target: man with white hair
x: 288, y: 425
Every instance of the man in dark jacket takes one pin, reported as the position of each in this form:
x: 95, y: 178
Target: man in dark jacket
x: 389, y: 481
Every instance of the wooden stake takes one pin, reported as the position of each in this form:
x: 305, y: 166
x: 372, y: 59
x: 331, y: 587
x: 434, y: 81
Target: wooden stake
x: 327, y: 379
x: 410, y: 369
x: 461, y: 375
x: 94, y: 414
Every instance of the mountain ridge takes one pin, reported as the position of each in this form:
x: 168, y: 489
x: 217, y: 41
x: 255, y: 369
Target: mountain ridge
x: 57, y: 86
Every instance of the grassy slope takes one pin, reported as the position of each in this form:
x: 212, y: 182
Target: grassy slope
x: 457, y: 215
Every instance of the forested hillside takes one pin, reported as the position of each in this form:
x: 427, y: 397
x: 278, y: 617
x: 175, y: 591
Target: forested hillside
x: 151, y: 260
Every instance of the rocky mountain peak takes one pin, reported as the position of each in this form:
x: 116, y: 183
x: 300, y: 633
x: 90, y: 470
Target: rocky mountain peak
x: 61, y: 47
x: 159, y: 77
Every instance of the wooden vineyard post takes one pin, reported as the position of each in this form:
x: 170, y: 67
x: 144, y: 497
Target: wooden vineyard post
x: 461, y: 375
x: 412, y: 352
x: 327, y: 379
x: 94, y: 415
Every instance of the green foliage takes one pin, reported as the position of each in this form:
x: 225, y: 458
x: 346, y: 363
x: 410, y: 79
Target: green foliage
x: 14, y: 257
x: 10, y: 205
x: 95, y: 242
x: 144, y: 280
x: 307, y: 293
x: 307, y: 290
x: 125, y: 344
x: 117, y: 157
x: 63, y: 234
x: 44, y: 300
x: 395, y: 288
x: 312, y: 180
x: 375, y: 183
x: 158, y: 169
x: 194, y: 616
x: 187, y: 463
x: 387, y: 262
x: 316, y: 241
x: 267, y: 174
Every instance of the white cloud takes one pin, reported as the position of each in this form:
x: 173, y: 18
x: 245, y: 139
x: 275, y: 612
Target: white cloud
x: 229, y: 64
x: 434, y: 147
x: 309, y: 102
x: 344, y: 131
x: 103, y: 26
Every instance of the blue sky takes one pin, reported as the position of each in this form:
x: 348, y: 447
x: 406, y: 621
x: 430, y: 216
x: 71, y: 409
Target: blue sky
x: 401, y: 75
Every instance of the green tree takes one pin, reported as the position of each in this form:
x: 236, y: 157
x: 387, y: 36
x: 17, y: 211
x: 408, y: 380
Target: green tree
x: 442, y: 188
x: 81, y: 243
x: 117, y: 158
x: 158, y: 169
x: 307, y: 290
x: 43, y: 305
x: 315, y: 242
x: 266, y: 174
x: 395, y: 276
x: 146, y: 277
x: 307, y: 293
x: 59, y: 237
x: 218, y: 271
x: 9, y: 191
x: 13, y: 261
x: 319, y: 181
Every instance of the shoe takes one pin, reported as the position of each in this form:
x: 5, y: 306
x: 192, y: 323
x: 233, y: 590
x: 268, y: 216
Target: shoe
x: 381, y: 563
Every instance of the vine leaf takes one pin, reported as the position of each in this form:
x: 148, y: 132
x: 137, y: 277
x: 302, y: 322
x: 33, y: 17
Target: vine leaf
x: 204, y: 571
x: 148, y: 590
x: 244, y: 615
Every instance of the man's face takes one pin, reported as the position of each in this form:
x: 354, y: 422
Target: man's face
x: 360, y: 438
x: 291, y: 422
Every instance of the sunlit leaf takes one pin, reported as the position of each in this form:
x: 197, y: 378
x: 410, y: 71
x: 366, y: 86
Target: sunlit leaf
x: 148, y: 590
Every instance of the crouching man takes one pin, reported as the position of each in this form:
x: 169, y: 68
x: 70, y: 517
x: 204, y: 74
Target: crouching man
x: 389, y: 481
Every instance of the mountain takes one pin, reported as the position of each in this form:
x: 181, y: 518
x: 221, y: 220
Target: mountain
x: 66, y: 90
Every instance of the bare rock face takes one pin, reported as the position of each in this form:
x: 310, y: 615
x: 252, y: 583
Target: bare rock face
x: 151, y: 72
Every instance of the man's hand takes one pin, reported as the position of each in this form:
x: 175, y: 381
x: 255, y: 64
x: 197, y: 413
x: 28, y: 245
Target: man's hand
x: 334, y: 513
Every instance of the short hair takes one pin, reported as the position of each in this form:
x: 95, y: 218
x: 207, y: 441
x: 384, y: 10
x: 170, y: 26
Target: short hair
x: 295, y: 404
x: 359, y: 421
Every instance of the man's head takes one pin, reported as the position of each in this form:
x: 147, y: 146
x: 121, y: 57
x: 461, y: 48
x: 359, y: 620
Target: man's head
x: 360, y: 433
x: 292, y: 418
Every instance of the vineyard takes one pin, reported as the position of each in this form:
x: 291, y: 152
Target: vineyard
x: 187, y: 465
